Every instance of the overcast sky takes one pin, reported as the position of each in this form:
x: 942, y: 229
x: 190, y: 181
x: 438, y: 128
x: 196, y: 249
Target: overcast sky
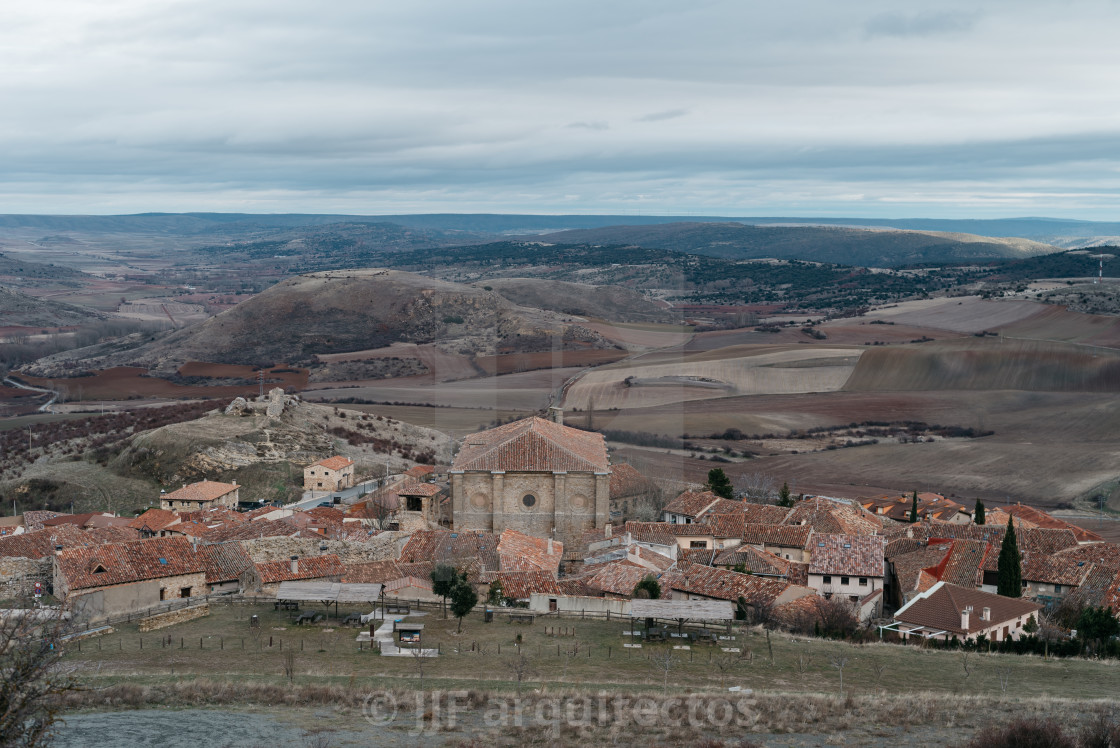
x: 805, y: 107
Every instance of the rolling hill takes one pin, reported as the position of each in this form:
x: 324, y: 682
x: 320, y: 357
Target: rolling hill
x: 343, y: 311
x: 18, y: 309
x: 614, y: 303
x: 844, y: 246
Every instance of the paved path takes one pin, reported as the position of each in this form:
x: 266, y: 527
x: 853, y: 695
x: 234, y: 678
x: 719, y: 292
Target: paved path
x: 384, y: 636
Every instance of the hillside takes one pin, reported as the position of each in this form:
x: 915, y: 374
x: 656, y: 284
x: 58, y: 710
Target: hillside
x: 19, y: 270
x: 987, y: 364
x: 845, y: 246
x: 613, y: 303
x: 17, y: 309
x: 335, y: 312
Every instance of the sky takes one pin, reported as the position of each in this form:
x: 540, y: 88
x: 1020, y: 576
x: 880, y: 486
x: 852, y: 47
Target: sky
x: 802, y: 108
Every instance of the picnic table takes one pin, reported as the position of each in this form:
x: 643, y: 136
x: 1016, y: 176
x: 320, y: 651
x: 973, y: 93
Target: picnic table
x: 521, y: 617
x: 286, y: 605
x: 352, y: 619
x: 398, y: 608
x: 307, y: 617
x: 657, y: 635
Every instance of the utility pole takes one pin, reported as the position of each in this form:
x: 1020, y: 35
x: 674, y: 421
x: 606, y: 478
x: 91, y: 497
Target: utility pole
x: 260, y: 381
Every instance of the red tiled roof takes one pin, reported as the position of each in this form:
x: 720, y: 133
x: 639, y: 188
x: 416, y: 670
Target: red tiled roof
x: 333, y: 463
x: 206, y: 490
x: 155, y: 520
x: 420, y: 471
x: 691, y: 503
x: 419, y: 489
x: 1053, y: 569
x: 659, y: 533
x: 941, y: 609
x: 616, y: 578
x: 721, y: 584
x: 267, y: 528
x: 311, y: 567
x: 520, y: 552
x: 854, y: 555
x: 518, y: 585
x: 223, y: 562
x: 372, y: 572
x: 785, y: 536
x: 754, y: 560
x: 1101, y: 553
x: 1040, y: 518
x: 833, y: 517
x: 34, y: 518
x: 533, y: 445
x: 627, y: 481
x: 443, y: 546
x: 119, y: 563
x: 39, y: 543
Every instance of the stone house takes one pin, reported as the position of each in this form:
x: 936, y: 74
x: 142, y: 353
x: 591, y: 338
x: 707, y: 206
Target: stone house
x: 853, y: 566
x: 117, y: 578
x: 205, y: 494
x: 265, y: 578
x: 535, y: 476
x: 945, y: 611
x: 330, y: 474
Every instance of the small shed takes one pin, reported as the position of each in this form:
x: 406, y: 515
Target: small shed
x: 408, y: 633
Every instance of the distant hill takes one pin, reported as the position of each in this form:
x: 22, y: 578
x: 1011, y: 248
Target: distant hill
x: 344, y: 311
x: 19, y: 309
x: 613, y: 303
x: 20, y: 269
x: 844, y: 246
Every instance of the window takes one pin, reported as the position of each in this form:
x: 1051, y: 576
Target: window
x: 854, y: 598
x: 698, y: 544
x: 863, y: 581
x: 529, y: 500
x: 844, y: 581
x: 827, y: 579
x: 184, y: 592
x: 1057, y: 588
x: 162, y: 593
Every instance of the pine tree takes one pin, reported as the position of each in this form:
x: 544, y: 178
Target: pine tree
x: 720, y: 484
x: 1009, y: 569
x: 784, y: 496
x: 914, y: 508
x: 978, y: 515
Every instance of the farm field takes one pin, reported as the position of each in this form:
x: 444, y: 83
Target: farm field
x: 739, y: 371
x: 130, y: 383
x: 528, y: 391
x: 458, y: 422
x: 966, y: 314
x: 640, y: 336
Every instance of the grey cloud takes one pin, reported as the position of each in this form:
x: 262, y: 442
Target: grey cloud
x: 661, y: 116
x: 597, y: 125
x: 927, y: 23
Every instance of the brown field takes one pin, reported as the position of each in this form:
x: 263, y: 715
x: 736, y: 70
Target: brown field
x: 640, y: 337
x: 457, y: 422
x: 755, y: 370
x: 967, y: 314
x: 442, y: 366
x: 1058, y: 323
x: 529, y: 391
x: 988, y: 364
x: 129, y: 383
x: 511, y: 363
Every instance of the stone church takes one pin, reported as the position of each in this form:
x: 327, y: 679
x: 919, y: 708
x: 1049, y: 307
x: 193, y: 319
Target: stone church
x: 535, y: 476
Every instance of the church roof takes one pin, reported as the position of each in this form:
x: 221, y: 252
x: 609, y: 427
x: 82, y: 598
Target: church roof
x: 533, y: 445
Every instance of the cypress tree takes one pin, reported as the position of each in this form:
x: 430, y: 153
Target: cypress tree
x: 784, y: 496
x: 719, y: 484
x: 914, y: 508
x: 1009, y: 570
x: 978, y: 515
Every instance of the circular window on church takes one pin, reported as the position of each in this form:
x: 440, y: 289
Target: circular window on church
x: 578, y: 501
x: 480, y: 500
x: 529, y: 500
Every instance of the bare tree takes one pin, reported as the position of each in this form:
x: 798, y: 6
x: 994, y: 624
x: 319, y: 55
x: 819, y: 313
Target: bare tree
x: 726, y: 664
x: 521, y: 668
x: 31, y: 647
x: 840, y: 663
x: 419, y: 659
x: 570, y: 653
x: 289, y: 659
x: 664, y: 661
x: 879, y: 667
x: 1004, y: 673
x: 804, y: 662
x: 966, y: 663
x: 757, y: 487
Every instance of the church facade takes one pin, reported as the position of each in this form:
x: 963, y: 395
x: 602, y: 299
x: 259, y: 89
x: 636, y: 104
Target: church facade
x: 534, y: 476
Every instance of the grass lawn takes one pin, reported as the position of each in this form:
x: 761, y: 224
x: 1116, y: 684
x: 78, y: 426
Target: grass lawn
x: 223, y: 647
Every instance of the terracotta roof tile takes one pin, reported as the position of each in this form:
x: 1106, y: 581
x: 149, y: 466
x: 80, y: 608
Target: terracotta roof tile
x: 721, y: 584
x: 371, y: 572
x: 941, y: 609
x: 1101, y: 553
x: 520, y: 552
x: 754, y: 560
x: 854, y: 555
x: 627, y: 481
x: 309, y: 567
x: 119, y: 563
x: 691, y: 503
x: 42, y: 542
x: 784, y: 536
x: 155, y: 520
x: 616, y: 578
x: 206, y: 490
x: 659, y: 533
x: 333, y: 463
x: 1041, y: 519
x: 533, y: 445
x: 223, y: 562
x: 520, y: 584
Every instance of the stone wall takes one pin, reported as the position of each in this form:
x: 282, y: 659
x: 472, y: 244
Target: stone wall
x: 172, y: 617
x: 382, y: 547
x: 565, y: 504
x: 19, y: 575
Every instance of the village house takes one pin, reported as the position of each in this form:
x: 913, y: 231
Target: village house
x: 535, y: 476
x: 946, y: 611
x: 265, y: 578
x: 202, y: 495
x: 116, y: 578
x: 852, y: 566
x: 631, y: 493
x: 688, y: 507
x: 330, y: 474
x: 696, y: 582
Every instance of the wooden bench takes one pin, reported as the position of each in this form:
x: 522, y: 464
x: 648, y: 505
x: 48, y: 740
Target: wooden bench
x: 354, y: 619
x: 286, y: 605
x: 308, y: 617
x: 521, y: 617
x: 398, y: 608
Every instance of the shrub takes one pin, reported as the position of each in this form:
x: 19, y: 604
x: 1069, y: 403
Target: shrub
x: 1023, y: 733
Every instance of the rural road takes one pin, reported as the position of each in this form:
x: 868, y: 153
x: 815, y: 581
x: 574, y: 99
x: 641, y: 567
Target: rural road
x: 312, y: 499
x: 45, y: 407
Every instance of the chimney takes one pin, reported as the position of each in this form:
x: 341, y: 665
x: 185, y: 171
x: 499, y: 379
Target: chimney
x: 607, y: 531
x: 964, y: 620
x: 58, y: 550
x: 295, y: 564
x: 987, y: 614
x: 556, y: 415
x: 233, y: 482
x: 550, y: 551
